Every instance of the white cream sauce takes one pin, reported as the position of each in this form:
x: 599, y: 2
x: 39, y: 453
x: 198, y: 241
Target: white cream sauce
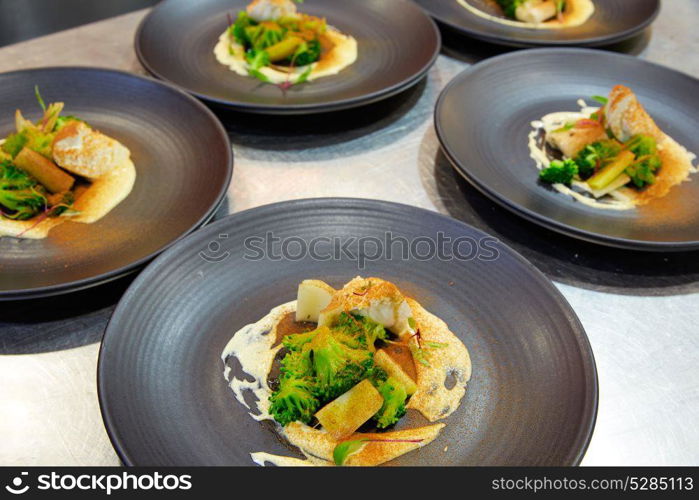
x: 612, y: 200
x: 252, y: 346
x: 262, y: 458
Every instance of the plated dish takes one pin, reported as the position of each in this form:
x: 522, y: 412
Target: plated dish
x: 642, y: 201
x: 338, y: 369
x: 530, y: 23
x: 273, y: 42
x: 56, y: 169
x: 530, y: 400
x: 139, y: 159
x: 612, y: 156
x: 277, y: 57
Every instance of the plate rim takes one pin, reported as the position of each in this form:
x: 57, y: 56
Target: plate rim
x: 532, y: 216
x: 590, y: 373
x: 295, y: 109
x: 84, y: 283
x: 516, y: 41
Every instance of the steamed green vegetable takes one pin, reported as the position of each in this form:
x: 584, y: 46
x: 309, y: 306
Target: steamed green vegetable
x: 394, y: 397
x: 611, y: 171
x: 559, y: 172
x: 325, y: 363
x: 293, y: 42
x: 294, y: 400
x: 509, y: 7
x: 647, y: 162
x: 21, y: 196
x: 602, y: 162
x: 594, y: 156
x: 28, y: 175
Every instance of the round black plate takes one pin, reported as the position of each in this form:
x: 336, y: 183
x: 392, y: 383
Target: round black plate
x: 176, y: 40
x: 483, y: 118
x: 183, y: 160
x: 613, y: 21
x: 532, y: 398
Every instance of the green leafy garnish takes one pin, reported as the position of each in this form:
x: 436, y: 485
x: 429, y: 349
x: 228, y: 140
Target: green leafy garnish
x: 436, y: 345
x: 39, y: 98
x: 346, y: 449
x: 565, y: 128
x: 600, y: 99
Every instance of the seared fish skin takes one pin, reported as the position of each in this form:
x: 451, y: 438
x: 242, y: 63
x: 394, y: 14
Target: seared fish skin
x: 626, y: 117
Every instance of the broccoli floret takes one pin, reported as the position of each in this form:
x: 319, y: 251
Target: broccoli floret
x: 337, y: 367
x: 647, y: 162
x: 591, y: 157
x: 559, y: 172
x: 364, y: 330
x: 641, y: 145
x: 297, y: 364
x: 237, y: 29
x: 393, y: 408
x: 325, y: 363
x: 20, y: 194
x: 293, y: 401
x: 296, y: 341
x: 642, y: 171
x: 257, y: 59
x: 307, y: 53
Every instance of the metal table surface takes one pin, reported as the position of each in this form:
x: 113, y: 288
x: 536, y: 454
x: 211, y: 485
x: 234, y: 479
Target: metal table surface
x: 640, y: 311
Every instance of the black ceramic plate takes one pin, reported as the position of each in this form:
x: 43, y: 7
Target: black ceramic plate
x: 613, y: 21
x: 397, y: 45
x: 183, y: 161
x: 532, y: 398
x: 483, y: 118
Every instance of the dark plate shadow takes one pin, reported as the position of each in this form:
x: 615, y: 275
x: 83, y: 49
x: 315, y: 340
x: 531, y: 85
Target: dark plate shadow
x: 261, y: 134
x: 64, y: 321
x: 561, y: 258
x: 60, y: 322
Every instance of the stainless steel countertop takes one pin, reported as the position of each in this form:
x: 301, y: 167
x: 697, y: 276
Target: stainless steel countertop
x: 640, y: 311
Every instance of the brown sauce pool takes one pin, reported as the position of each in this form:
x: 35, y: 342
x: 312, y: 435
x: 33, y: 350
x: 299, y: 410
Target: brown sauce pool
x: 400, y: 353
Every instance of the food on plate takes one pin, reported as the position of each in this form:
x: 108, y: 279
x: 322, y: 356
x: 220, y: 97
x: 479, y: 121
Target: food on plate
x: 536, y: 14
x: 274, y: 43
x: 337, y: 370
x: 56, y: 169
x: 613, y: 156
